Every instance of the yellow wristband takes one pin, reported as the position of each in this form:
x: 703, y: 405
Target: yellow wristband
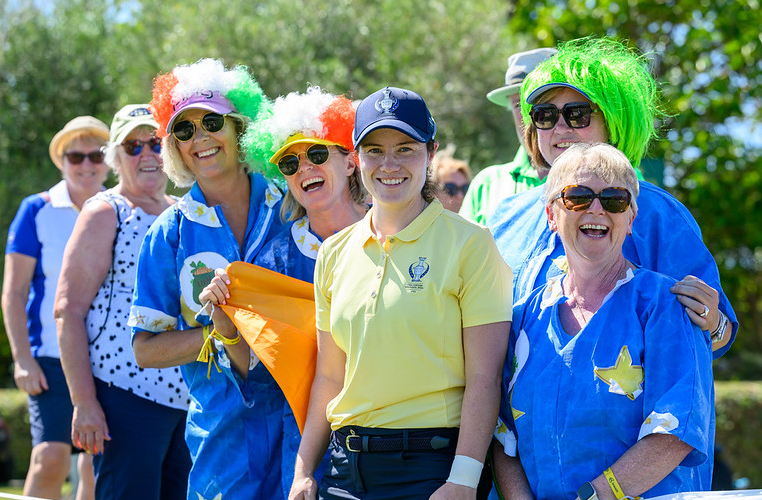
x: 614, y: 484
x: 217, y: 335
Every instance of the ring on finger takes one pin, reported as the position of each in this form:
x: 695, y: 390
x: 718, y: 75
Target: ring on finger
x: 706, y: 311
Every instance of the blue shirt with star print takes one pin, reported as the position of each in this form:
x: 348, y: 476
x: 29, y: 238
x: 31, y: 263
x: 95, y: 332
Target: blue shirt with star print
x: 573, y: 405
x: 293, y: 253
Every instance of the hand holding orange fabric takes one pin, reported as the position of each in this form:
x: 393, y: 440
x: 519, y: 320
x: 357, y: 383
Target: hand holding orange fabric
x: 276, y: 316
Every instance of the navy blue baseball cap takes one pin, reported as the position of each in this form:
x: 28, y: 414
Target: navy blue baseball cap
x: 394, y: 108
x: 536, y: 93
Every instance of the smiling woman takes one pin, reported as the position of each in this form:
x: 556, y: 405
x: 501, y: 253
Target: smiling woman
x: 609, y: 339
x: 309, y: 139
x: 395, y: 303
x: 228, y: 215
x: 33, y: 255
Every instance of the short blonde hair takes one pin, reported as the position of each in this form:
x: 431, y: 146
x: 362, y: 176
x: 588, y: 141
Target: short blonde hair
x: 602, y: 160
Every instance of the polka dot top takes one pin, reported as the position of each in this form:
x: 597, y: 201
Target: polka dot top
x: 109, y: 336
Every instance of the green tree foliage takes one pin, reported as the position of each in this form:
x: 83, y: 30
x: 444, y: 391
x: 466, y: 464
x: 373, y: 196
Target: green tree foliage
x: 706, y: 55
x: 52, y: 70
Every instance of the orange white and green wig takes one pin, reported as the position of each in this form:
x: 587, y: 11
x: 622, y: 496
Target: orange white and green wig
x: 205, y: 84
x: 314, y: 117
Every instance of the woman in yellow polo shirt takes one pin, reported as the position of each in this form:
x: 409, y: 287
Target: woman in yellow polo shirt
x: 413, y: 313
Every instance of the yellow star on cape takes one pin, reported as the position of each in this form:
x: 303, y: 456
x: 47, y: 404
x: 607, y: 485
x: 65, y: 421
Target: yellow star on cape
x: 300, y: 240
x: 502, y: 428
x: 315, y: 247
x: 199, y: 210
x: 139, y: 318
x: 301, y: 222
x: 156, y: 325
x: 624, y: 377
x: 516, y: 413
x: 562, y: 264
x: 269, y: 197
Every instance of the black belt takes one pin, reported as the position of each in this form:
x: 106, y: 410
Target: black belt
x: 397, y: 442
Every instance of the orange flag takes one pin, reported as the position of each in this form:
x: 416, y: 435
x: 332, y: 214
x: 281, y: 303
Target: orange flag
x: 276, y: 317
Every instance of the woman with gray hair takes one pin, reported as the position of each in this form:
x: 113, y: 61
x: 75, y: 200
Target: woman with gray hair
x: 603, y: 359
x: 109, y: 391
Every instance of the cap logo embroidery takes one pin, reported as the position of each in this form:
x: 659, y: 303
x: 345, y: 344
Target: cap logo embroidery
x: 140, y: 112
x: 208, y: 94
x: 388, y: 103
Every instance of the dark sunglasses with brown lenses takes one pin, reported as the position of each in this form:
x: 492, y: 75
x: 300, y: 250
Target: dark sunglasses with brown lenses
x: 577, y: 115
x: 76, y: 157
x: 577, y: 198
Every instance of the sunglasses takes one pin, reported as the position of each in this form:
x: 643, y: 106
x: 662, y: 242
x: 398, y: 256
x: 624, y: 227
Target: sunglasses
x: 135, y: 147
x: 184, y: 129
x: 577, y: 198
x: 76, y: 157
x: 577, y: 115
x: 317, y: 154
x: 453, y: 189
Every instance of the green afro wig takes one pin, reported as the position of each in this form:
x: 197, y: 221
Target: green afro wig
x: 616, y: 78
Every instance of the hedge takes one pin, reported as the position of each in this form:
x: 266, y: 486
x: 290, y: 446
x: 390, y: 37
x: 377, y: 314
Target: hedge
x: 739, y: 427
x: 13, y: 410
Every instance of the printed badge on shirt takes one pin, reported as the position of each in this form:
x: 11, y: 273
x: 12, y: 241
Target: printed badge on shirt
x: 417, y: 271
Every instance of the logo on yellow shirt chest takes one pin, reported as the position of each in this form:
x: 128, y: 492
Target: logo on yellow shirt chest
x: 417, y: 271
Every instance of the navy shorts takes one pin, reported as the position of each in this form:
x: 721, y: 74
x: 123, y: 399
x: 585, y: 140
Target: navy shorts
x: 50, y: 411
x: 147, y: 457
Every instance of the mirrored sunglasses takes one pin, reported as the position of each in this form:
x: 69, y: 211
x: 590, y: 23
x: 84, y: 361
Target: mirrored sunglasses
x: 184, y: 129
x: 317, y: 154
x: 577, y: 198
x: 135, y: 147
x: 453, y: 189
x: 77, y: 157
x: 577, y: 115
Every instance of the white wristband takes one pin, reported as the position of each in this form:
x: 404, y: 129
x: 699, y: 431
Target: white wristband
x: 465, y: 471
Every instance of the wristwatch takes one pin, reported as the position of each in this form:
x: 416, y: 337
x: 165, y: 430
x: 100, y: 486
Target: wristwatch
x: 719, y: 333
x: 587, y: 492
